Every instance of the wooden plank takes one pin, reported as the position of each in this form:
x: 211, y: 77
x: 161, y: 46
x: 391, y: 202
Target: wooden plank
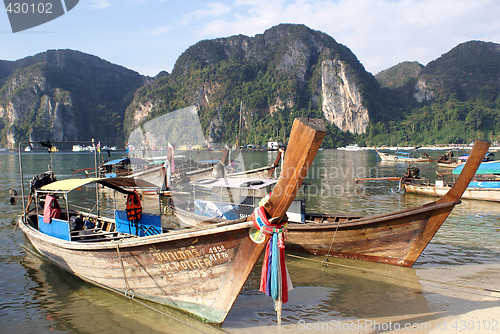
x: 305, y: 140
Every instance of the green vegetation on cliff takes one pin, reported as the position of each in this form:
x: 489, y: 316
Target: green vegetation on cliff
x: 276, y: 76
x: 65, y: 95
x: 465, y: 102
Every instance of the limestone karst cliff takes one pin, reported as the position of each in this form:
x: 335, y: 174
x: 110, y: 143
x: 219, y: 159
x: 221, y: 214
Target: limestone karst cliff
x: 64, y: 95
x: 286, y: 69
x: 342, y: 98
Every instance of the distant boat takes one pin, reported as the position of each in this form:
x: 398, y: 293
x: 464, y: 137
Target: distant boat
x: 77, y: 148
x: 454, y: 163
x: 352, y: 147
x: 401, y: 156
x: 274, y: 145
x: 439, y: 190
x: 396, y: 238
x: 485, y: 186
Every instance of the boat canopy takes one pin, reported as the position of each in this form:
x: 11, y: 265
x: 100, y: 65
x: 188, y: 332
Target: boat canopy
x: 126, y: 161
x: 230, y: 182
x: 488, y: 157
x: 484, y: 168
x: 66, y: 185
x: 120, y: 184
x: 209, y: 161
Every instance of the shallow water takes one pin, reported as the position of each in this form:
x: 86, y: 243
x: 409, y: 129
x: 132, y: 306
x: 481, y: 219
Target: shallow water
x: 36, y: 297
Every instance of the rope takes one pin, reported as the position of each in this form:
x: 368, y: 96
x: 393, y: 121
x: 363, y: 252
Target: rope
x: 333, y: 238
x: 15, y: 227
x: 154, y: 281
x: 82, y: 208
x: 378, y: 273
x: 127, y: 286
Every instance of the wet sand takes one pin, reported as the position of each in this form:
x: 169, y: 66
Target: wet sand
x: 452, y: 299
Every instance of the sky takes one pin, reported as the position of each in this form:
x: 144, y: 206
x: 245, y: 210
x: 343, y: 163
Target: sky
x: 149, y: 35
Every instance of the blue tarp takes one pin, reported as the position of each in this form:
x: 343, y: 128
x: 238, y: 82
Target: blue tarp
x: 148, y: 224
x: 216, y: 210
x: 485, y: 184
x: 484, y: 168
x: 57, y: 228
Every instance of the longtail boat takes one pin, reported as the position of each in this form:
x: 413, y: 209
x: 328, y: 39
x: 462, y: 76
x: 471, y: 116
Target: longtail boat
x: 396, y: 238
x: 200, y: 270
x: 485, y: 185
x: 401, y: 156
x: 439, y: 190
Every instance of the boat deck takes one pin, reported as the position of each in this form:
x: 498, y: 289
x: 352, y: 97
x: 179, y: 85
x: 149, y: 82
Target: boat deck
x: 97, y: 235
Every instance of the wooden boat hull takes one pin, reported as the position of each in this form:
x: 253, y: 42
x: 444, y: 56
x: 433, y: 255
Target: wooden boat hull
x: 448, y: 165
x: 189, y: 218
x: 483, y: 194
x: 200, y: 271
x: 391, y: 157
x: 389, y: 238
x: 394, y: 238
x: 156, y: 175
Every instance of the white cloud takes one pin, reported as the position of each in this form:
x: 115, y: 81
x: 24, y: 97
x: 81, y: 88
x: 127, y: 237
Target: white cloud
x: 98, y: 4
x: 211, y: 10
x: 160, y: 30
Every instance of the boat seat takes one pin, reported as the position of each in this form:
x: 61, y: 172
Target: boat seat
x: 122, y: 236
x: 77, y: 232
x: 92, y: 234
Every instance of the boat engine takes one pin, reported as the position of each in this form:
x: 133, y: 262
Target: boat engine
x: 412, y: 172
x: 40, y: 180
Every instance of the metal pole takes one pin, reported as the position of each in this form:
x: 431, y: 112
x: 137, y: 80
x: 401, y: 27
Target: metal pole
x: 158, y: 191
x: 96, y: 185
x: 67, y: 208
x: 22, y: 176
x: 239, y: 125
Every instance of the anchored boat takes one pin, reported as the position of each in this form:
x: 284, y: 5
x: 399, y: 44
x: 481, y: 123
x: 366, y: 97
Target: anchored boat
x: 485, y: 185
x: 199, y: 270
x: 401, y: 156
x: 397, y: 238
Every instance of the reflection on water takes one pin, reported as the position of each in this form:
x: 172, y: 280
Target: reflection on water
x: 36, y: 297
x: 70, y: 305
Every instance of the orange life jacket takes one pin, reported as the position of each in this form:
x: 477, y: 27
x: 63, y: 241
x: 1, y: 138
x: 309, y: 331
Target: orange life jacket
x: 134, y: 207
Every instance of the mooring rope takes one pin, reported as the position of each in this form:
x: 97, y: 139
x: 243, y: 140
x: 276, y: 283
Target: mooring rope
x: 154, y: 281
x: 333, y: 238
x: 386, y: 275
x: 127, y: 286
x: 14, y: 230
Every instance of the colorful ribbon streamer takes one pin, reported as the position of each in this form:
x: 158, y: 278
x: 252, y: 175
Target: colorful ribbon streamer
x: 274, y: 280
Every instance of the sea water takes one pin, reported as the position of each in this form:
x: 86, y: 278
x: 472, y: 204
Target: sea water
x: 328, y: 296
